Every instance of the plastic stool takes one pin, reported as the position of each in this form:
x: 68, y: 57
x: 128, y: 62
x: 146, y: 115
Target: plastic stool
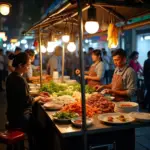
x: 12, y: 138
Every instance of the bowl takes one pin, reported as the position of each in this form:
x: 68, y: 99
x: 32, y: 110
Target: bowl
x: 126, y: 107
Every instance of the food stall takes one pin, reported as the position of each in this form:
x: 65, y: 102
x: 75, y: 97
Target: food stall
x: 93, y: 130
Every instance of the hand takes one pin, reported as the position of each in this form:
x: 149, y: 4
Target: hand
x: 86, y: 77
x: 77, y: 71
x: 109, y: 91
x: 99, y: 87
x: 38, y: 98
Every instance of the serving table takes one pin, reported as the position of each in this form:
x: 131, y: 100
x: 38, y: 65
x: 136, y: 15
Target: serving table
x: 67, y: 137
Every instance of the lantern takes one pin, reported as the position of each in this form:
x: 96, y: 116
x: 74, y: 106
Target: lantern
x: 5, y: 8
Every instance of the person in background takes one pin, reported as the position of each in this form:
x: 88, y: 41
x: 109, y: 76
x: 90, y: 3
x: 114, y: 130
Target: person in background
x: 55, y: 61
x: 29, y: 75
x: 135, y: 64
x: 95, y: 75
x: 68, y: 64
x: 88, y: 58
x: 1, y: 69
x: 146, y: 74
x: 123, y: 85
x: 106, y: 61
x: 11, y: 57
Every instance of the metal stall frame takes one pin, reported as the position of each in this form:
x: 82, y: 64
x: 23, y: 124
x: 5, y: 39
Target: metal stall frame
x: 80, y: 8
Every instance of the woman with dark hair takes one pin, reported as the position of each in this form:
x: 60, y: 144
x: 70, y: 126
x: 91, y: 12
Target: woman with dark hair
x: 95, y: 75
x: 19, y: 101
x: 134, y: 62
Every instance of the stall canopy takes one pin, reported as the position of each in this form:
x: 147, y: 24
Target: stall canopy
x: 122, y: 12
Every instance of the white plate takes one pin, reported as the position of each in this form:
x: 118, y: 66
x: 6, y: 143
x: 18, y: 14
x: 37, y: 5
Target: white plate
x: 89, y: 122
x: 52, y: 106
x: 142, y: 117
x: 104, y: 118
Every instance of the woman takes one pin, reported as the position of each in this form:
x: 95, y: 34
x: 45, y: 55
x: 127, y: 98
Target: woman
x: 134, y: 63
x: 19, y: 101
x: 95, y: 75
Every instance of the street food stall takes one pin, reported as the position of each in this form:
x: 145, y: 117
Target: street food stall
x: 75, y: 116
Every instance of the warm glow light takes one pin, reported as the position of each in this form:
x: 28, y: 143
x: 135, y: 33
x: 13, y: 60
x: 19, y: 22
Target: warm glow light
x: 13, y: 40
x: 65, y: 38
x: 35, y: 52
x: 51, y: 47
x: 114, y: 46
x: 4, y: 45
x: 17, y: 44
x: 43, y: 49
x: 23, y: 41
x: 5, y: 38
x: 71, y: 47
x: 91, y: 27
x: 4, y: 9
x: 2, y: 35
x: 26, y: 46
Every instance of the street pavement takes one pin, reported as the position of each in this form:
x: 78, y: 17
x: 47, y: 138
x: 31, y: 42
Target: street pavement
x: 142, y: 134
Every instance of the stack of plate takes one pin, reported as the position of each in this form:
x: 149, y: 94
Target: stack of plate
x: 126, y: 107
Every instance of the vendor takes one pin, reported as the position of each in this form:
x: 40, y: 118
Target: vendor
x: 123, y: 85
x: 19, y: 101
x: 29, y: 75
x: 95, y: 75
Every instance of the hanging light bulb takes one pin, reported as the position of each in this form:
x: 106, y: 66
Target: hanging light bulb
x: 91, y: 26
x: 5, y: 8
x: 43, y: 49
x: 71, y: 47
x: 65, y: 38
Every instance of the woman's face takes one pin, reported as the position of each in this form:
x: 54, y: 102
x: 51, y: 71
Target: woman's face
x: 25, y: 68
x: 95, y: 58
x: 136, y: 57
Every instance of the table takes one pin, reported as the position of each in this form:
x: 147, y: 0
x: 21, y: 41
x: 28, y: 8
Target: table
x: 66, y: 137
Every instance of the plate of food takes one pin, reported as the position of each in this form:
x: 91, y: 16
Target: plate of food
x: 141, y: 116
x: 116, y: 118
x: 77, y: 122
x: 52, y: 106
x: 64, y: 117
x: 126, y: 107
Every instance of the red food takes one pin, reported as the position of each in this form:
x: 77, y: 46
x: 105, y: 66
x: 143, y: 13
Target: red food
x: 110, y: 119
x: 77, y: 108
x: 78, y: 121
x: 101, y: 103
x: 126, y: 105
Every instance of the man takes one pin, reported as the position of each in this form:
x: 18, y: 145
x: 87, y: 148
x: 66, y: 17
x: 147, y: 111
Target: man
x: 123, y: 85
x: 1, y: 69
x: 55, y: 61
x: 88, y: 59
x: 146, y: 73
x: 11, y: 57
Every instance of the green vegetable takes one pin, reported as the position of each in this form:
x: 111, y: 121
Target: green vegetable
x: 65, y: 115
x: 64, y: 89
